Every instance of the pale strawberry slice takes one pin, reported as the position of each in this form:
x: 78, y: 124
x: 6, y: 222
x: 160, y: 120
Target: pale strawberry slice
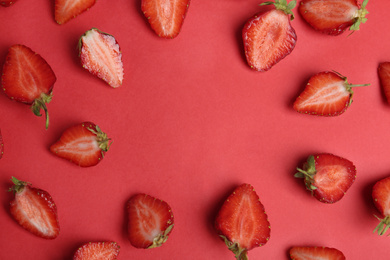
x: 7, y: 3
x: 333, y: 17
x: 326, y: 94
x: 83, y: 144
x: 1, y: 145
x: 384, y: 76
x: 316, y: 253
x: 97, y: 251
x: 34, y: 209
x: 327, y: 176
x: 150, y: 221
x: 242, y: 222
x: 28, y: 78
x: 65, y: 10
x: 166, y: 17
x: 100, y: 54
x: 381, y: 197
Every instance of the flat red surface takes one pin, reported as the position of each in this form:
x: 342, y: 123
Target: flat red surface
x: 190, y: 123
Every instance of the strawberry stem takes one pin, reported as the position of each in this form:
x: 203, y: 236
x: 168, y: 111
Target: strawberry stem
x: 360, y: 17
x: 307, y: 173
x: 18, y: 185
x: 240, y: 253
x: 383, y: 225
x: 40, y: 103
x: 283, y: 6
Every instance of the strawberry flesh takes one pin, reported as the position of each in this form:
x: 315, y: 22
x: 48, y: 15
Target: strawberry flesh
x: 242, y: 222
x: 7, y: 3
x: 97, y: 251
x: 318, y: 253
x: 384, y: 76
x: 165, y: 17
x: 381, y: 197
x: 83, y: 144
x: 150, y: 221
x: 65, y: 10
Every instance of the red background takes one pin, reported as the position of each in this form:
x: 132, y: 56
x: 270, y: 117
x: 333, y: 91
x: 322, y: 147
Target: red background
x: 190, y: 123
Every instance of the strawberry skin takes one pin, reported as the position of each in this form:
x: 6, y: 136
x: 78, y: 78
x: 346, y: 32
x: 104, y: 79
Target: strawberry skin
x: 34, y: 209
x: 83, y: 144
x: 7, y: 3
x: 150, y: 221
x: 165, y: 17
x: 333, y: 17
x: 269, y: 37
x: 97, y: 251
x: 28, y: 78
x: 327, y: 176
x: 242, y: 222
x: 100, y: 54
x: 318, y: 253
x: 1, y: 145
x: 65, y: 10
x: 384, y: 76
x: 381, y: 197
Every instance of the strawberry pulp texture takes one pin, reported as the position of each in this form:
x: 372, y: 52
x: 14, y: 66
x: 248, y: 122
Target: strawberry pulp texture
x: 309, y: 253
x: 97, y: 251
x: 384, y: 76
x: 381, y: 197
x: 65, y: 10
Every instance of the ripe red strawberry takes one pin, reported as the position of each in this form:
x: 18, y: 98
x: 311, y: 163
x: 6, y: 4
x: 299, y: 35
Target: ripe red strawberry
x: 7, y: 3
x: 384, y: 76
x: 1, y: 145
x: 333, y: 17
x: 97, y: 251
x: 28, y: 78
x: 34, y: 209
x: 83, y: 144
x: 327, y: 176
x: 242, y: 222
x: 65, y: 10
x: 319, y: 253
x: 269, y: 37
x: 326, y: 94
x: 150, y: 221
x: 165, y: 17
x: 381, y: 197
x: 100, y: 54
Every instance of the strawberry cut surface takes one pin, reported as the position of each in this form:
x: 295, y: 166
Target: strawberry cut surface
x: 381, y: 197
x: 316, y: 253
x: 65, y: 10
x: 384, y: 76
x: 97, y: 251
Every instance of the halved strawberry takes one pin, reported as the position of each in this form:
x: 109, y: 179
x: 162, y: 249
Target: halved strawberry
x: 7, y: 3
x: 326, y: 94
x: 269, y: 37
x: 381, y: 197
x: 242, y: 222
x: 100, y: 54
x: 384, y: 76
x: 318, y: 253
x: 327, y: 176
x: 28, y: 78
x: 1, y: 145
x: 166, y: 17
x: 83, y: 144
x: 150, y: 221
x: 97, y: 250
x: 34, y: 209
x: 65, y: 10
x: 333, y: 17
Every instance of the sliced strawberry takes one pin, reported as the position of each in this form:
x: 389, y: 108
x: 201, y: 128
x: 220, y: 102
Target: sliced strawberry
x: 1, y: 145
x: 381, y: 197
x: 326, y: 94
x: 97, y: 251
x: 327, y: 176
x: 83, y: 144
x: 7, y: 3
x: 65, y: 10
x: 333, y: 17
x: 242, y: 222
x: 28, y: 78
x: 384, y: 76
x: 150, y: 221
x: 318, y: 253
x: 34, y: 209
x: 100, y: 54
x: 269, y: 37
x: 166, y: 17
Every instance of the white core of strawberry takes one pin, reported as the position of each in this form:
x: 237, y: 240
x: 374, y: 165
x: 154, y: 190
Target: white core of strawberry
x: 85, y: 145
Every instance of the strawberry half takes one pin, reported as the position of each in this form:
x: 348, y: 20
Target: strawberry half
x: 166, y: 17
x: 150, y: 221
x: 65, y: 10
x: 7, y: 3
x: 97, y: 250
x: 318, y: 253
x: 242, y: 222
x: 384, y: 76
x: 34, y: 209
x: 333, y: 17
x: 28, y: 78
x: 327, y: 176
x: 100, y: 54
x: 1, y: 145
x: 83, y: 144
x: 269, y: 37
x: 381, y: 197
x: 326, y: 94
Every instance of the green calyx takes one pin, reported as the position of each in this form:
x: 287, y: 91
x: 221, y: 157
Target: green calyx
x: 360, y: 17
x: 18, y: 185
x: 383, y: 226
x: 162, y: 238
x: 284, y: 6
x: 240, y: 253
x: 307, y: 173
x: 40, y: 103
x: 102, y: 139
x: 349, y: 86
